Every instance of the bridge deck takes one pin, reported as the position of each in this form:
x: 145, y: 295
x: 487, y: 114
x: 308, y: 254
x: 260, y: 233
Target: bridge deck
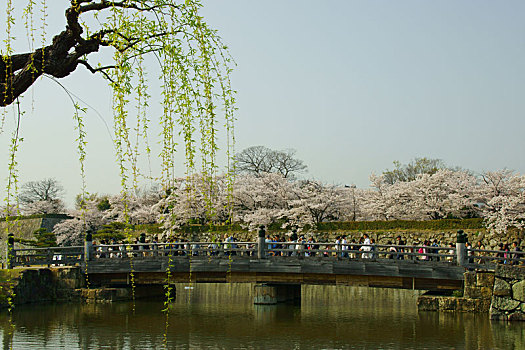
x: 393, y: 273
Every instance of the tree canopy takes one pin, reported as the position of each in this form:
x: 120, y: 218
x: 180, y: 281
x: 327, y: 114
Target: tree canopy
x: 410, y: 171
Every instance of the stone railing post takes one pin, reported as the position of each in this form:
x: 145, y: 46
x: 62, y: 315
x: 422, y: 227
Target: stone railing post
x: 88, y: 248
x: 142, y: 240
x: 10, y: 251
x: 261, y: 244
x: 461, y: 250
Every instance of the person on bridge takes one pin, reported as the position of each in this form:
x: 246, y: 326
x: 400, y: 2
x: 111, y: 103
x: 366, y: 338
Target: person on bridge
x: 480, y: 246
x: 434, y: 244
x: 515, y: 253
x: 344, y: 247
x: 400, y: 243
x: 268, y: 241
x: 366, y: 247
x: 337, y: 245
x: 291, y: 245
x: 373, y: 249
x: 311, y: 246
x: 470, y: 253
x: 423, y: 251
x: 391, y: 250
x: 229, y: 246
x: 353, y: 248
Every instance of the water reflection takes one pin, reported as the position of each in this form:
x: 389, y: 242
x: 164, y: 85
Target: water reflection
x: 223, y: 316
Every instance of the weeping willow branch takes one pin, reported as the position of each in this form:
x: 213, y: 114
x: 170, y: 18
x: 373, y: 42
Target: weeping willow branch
x: 194, y: 74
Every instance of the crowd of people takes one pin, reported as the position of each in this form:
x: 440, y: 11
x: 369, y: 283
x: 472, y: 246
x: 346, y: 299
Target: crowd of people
x: 174, y: 246
x: 298, y: 245
x: 510, y: 254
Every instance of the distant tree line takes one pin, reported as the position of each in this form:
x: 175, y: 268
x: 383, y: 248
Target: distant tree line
x: 424, y: 189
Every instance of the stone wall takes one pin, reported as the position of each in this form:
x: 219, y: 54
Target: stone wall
x: 477, y: 295
x: 444, y: 238
x: 22, y: 228
x: 501, y: 293
x: 49, y: 222
x: 478, y: 285
x: 40, y: 284
x: 508, y: 300
x: 25, y: 227
x: 59, y: 284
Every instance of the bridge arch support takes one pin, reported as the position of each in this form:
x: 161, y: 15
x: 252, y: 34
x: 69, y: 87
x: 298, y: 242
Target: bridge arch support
x: 271, y: 294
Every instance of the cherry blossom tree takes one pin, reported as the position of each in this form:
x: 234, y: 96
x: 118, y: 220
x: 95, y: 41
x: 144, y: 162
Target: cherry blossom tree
x: 131, y: 208
x: 90, y: 216
x: 271, y: 198
x: 194, y: 200
x: 88, y: 219
x: 442, y: 194
x: 10, y: 210
x: 427, y: 197
x: 55, y: 206
x: 378, y: 201
x: 316, y: 202
x: 502, y: 198
x: 261, y: 200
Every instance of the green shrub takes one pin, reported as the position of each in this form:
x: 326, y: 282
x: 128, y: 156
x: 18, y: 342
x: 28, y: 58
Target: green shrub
x: 149, y: 228
x: 114, y: 230
x: 37, y: 216
x: 210, y: 228
x: 43, y: 239
x: 119, y: 236
x: 444, y: 224
x: 103, y: 204
x: 457, y: 293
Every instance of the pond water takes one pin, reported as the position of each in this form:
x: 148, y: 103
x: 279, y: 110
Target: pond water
x: 223, y: 317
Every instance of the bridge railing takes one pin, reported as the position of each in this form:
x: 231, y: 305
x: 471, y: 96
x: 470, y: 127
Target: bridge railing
x: 174, y: 249
x: 52, y: 256
x: 361, y: 251
x: 487, y: 257
x: 75, y: 255
x: 277, y: 249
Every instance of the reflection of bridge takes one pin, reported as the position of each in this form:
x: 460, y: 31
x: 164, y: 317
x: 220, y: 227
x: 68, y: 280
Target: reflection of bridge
x: 267, y: 264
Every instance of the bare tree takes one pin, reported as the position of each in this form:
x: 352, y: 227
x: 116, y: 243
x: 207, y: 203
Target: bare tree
x: 258, y: 160
x: 253, y: 160
x: 47, y: 190
x: 286, y: 163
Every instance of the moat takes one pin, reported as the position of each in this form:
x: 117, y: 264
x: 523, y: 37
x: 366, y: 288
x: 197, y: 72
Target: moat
x: 223, y: 316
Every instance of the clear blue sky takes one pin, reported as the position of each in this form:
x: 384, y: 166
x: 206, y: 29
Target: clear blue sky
x: 351, y: 85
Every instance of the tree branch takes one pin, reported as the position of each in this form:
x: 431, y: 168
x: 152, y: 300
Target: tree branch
x: 96, y: 70
x: 104, y: 4
x: 19, y: 71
